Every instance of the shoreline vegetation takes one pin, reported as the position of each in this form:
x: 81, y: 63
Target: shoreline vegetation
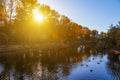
x: 28, y: 24
x: 45, y: 46
x: 51, y: 46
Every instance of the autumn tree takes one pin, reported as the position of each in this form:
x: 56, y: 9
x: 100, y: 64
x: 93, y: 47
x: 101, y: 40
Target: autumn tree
x: 56, y: 28
x: 94, y: 35
x: 3, y: 13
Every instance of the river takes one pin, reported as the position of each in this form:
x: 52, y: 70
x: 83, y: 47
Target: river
x: 73, y: 63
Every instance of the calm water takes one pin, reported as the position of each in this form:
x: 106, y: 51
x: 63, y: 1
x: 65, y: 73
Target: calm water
x: 75, y: 63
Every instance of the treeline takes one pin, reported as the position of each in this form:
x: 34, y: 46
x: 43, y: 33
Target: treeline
x: 17, y: 25
x: 113, y: 36
x: 110, y: 39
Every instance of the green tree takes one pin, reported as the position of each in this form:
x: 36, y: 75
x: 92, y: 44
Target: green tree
x: 114, y: 36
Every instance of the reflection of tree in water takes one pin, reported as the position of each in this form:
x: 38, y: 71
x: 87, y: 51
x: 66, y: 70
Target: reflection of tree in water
x: 61, y: 60
x: 114, y: 66
x: 21, y: 63
x: 45, y: 65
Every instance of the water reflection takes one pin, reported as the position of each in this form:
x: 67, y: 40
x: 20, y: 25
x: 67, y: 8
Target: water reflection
x: 73, y: 63
x: 114, y: 66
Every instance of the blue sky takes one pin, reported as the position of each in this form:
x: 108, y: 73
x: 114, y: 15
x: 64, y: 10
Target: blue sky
x: 94, y: 14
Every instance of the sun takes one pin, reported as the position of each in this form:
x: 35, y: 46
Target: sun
x: 37, y: 15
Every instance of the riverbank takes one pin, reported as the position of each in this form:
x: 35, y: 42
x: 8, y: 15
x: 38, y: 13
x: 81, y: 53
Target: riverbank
x: 42, y: 46
x: 7, y: 48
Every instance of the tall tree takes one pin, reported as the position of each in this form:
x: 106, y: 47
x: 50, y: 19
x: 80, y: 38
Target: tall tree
x: 3, y: 12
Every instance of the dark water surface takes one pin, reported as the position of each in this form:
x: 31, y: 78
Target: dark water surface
x: 75, y: 63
